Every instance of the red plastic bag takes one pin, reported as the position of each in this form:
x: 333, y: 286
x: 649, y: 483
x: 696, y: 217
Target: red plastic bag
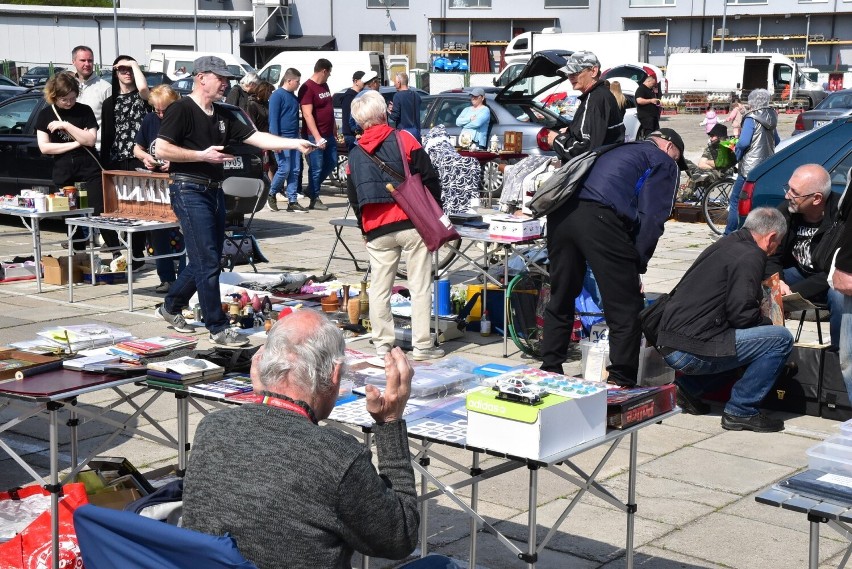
x: 31, y: 549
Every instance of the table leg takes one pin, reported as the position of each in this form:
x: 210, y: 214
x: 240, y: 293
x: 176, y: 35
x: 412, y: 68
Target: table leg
x: 474, y: 503
x: 183, y: 431
x: 70, y: 261
x: 531, y: 557
x: 813, y: 543
x: 424, y: 506
x: 73, y: 422
x: 506, y: 302
x: 130, y: 270
x: 54, y: 488
x: 631, y: 497
x: 36, y: 231
x: 435, y: 296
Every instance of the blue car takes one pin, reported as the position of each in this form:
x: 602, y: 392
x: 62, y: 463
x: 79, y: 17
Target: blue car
x: 830, y: 146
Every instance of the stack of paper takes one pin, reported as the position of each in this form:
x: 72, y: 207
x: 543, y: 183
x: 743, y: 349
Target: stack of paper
x: 233, y: 384
x: 155, y: 346
x: 183, y: 371
x: 78, y: 337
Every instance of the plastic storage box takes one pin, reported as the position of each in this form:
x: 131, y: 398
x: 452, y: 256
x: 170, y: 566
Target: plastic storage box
x: 829, y: 457
x: 846, y: 428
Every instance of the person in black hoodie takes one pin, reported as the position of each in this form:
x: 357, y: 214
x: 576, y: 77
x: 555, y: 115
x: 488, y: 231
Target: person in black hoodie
x: 713, y: 325
x: 598, y: 120
x: 809, y: 209
x: 385, y: 226
x: 840, y: 278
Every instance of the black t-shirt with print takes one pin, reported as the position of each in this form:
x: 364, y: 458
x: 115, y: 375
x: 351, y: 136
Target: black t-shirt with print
x: 802, y: 247
x: 185, y: 124
x: 75, y: 165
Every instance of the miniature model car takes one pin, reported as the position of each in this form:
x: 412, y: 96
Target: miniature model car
x: 520, y: 383
x: 520, y: 394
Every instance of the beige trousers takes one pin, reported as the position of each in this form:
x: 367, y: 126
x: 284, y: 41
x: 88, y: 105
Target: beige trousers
x: 385, y: 253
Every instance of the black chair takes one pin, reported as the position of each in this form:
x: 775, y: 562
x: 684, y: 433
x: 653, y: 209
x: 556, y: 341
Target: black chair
x: 243, y: 197
x: 818, y: 306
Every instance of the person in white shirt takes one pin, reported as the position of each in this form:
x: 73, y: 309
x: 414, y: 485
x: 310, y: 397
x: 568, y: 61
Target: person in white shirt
x: 94, y: 90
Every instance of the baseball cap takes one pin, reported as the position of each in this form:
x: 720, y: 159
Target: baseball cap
x: 719, y: 130
x: 477, y: 92
x: 651, y: 73
x: 369, y: 76
x: 212, y: 64
x: 674, y: 138
x: 358, y: 75
x: 580, y: 60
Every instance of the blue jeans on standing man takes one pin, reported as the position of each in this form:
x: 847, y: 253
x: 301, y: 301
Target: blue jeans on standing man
x: 764, y: 349
x: 320, y: 164
x: 734, y: 206
x: 834, y: 299
x: 201, y: 212
x: 287, y: 175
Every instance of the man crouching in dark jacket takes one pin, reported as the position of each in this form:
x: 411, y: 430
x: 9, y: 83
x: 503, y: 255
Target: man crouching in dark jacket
x: 713, y: 324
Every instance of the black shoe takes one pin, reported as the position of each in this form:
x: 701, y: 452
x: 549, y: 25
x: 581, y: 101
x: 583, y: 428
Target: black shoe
x: 272, y: 202
x: 317, y: 205
x: 295, y: 207
x: 690, y: 404
x: 759, y: 423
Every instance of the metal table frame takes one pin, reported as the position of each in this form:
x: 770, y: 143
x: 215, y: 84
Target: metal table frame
x: 50, y: 405
x: 32, y: 219
x: 125, y: 237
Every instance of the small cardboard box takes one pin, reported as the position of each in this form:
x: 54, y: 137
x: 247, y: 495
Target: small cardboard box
x: 627, y: 407
x: 115, y: 499
x: 57, y: 203
x: 103, y: 278
x: 534, y: 431
x: 514, y: 227
x: 56, y: 269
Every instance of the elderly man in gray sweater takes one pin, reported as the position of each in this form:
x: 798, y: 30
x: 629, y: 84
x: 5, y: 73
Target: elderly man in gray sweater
x: 296, y: 494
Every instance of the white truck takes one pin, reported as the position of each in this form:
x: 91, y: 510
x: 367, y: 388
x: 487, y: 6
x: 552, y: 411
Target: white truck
x: 738, y: 72
x: 612, y: 48
x: 171, y: 61
x: 343, y: 65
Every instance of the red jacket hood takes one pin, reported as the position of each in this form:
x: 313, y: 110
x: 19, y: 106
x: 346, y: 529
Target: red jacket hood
x: 374, y: 136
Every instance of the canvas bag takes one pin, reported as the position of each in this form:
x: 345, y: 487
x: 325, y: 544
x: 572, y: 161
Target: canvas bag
x: 822, y: 253
x: 430, y: 221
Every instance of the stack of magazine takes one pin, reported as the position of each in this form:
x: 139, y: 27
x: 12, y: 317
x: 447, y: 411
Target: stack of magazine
x: 181, y: 372
x: 231, y: 385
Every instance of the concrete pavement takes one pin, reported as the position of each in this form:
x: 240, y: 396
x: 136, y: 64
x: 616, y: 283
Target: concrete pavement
x: 696, y: 482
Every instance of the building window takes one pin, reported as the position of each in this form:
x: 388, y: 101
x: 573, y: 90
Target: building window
x: 814, y: 1
x: 643, y: 3
x: 387, y: 3
x: 566, y: 3
x: 745, y: 2
x: 469, y: 3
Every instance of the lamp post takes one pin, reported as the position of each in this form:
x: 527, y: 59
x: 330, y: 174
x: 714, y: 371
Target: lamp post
x: 666, y: 48
x: 724, y: 20
x: 195, y: 21
x: 115, y: 25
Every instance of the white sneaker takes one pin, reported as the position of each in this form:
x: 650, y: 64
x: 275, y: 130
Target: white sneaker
x: 176, y: 321
x: 228, y: 338
x: 427, y: 354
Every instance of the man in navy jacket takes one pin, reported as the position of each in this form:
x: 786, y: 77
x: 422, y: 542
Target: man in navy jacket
x: 612, y: 222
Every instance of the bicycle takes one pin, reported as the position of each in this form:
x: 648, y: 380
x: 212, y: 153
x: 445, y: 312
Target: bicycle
x: 712, y: 191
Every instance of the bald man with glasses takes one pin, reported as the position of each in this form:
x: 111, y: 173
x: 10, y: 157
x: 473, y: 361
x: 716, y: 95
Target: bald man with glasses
x: 809, y: 207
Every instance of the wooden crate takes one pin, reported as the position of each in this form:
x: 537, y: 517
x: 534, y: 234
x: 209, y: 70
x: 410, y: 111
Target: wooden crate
x: 137, y: 195
x: 513, y: 141
x: 688, y: 213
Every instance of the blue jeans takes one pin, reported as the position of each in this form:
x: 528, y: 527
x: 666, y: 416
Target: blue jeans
x: 733, y: 206
x: 201, y: 212
x: 288, y: 173
x: 846, y: 342
x: 764, y: 349
x: 160, y: 241
x: 834, y: 299
x: 320, y: 164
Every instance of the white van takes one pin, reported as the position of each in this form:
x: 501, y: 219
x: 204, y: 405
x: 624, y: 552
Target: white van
x: 343, y: 65
x: 170, y: 61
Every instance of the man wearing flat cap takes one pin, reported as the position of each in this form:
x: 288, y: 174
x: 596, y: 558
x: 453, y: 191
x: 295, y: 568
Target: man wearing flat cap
x: 612, y: 223
x: 597, y: 121
x: 193, y: 137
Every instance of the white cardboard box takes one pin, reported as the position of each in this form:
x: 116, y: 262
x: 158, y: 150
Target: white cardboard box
x: 534, y: 431
x: 514, y: 227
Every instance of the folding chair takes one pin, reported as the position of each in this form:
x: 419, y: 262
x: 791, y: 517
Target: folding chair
x: 243, y: 197
x: 339, y: 224
x: 111, y: 538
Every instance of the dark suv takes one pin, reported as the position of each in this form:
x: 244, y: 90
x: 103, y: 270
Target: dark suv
x: 38, y: 76
x: 22, y: 165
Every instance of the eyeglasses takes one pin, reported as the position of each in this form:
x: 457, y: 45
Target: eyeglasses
x: 124, y: 69
x: 68, y: 99
x: 794, y: 194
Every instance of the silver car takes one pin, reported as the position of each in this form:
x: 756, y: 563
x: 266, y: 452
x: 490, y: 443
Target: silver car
x: 837, y: 104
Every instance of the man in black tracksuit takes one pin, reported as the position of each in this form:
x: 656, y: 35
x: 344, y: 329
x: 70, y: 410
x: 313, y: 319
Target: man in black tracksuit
x: 597, y: 121
x: 612, y: 222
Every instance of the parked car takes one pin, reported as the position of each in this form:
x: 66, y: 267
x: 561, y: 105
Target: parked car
x: 631, y: 75
x: 9, y: 91
x: 39, y: 75
x: 6, y: 82
x: 22, y: 165
x: 153, y: 78
x: 837, y: 104
x: 830, y: 146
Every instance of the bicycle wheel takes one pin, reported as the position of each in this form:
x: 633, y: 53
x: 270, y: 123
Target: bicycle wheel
x: 445, y: 257
x: 715, y: 205
x: 528, y: 294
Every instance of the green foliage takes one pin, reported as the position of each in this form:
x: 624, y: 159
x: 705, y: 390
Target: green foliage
x: 72, y: 3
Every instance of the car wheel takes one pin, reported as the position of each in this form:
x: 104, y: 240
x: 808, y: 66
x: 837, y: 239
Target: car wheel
x: 492, y: 180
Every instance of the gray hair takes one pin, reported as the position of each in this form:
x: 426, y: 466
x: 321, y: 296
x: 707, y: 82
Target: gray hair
x: 302, y: 354
x: 766, y: 220
x: 369, y: 109
x: 249, y: 79
x: 758, y: 99
x: 402, y: 77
